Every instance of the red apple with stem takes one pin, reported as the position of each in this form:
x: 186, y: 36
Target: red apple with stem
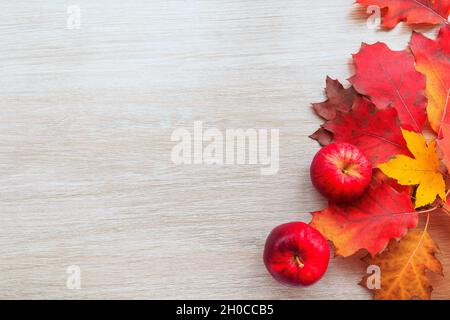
x: 296, y: 254
x: 341, y: 172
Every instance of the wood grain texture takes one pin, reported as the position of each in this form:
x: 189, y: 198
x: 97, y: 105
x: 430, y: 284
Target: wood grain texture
x: 85, y: 123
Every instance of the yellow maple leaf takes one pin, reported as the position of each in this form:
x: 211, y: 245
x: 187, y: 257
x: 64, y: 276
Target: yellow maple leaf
x: 403, y: 268
x: 422, y: 170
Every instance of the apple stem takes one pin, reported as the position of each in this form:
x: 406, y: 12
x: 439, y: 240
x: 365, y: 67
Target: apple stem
x: 299, y: 262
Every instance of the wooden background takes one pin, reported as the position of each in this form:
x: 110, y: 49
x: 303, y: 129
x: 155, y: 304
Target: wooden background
x: 85, y: 123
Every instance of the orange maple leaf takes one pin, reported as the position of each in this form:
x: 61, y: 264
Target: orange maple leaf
x: 444, y: 144
x: 403, y: 267
x: 433, y: 60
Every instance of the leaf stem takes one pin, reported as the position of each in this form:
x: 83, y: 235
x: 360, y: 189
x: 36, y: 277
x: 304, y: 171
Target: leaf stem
x: 446, y: 195
x: 429, y: 210
x: 426, y: 224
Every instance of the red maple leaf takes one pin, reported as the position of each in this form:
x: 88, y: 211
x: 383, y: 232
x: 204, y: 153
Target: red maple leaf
x: 338, y: 99
x: 389, y: 78
x: 369, y: 223
x: 376, y: 132
x: 322, y: 136
x: 379, y: 177
x: 411, y: 11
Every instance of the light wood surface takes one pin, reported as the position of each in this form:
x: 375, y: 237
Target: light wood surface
x: 86, y: 117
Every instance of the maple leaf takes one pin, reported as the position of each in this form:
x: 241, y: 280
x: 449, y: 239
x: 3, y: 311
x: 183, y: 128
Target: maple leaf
x: 338, y: 99
x: 444, y: 144
x: 369, y: 223
x: 403, y: 267
x: 411, y: 11
x: 322, y: 136
x: 433, y: 60
x: 422, y: 170
x: 376, y: 132
x: 380, y: 177
x: 389, y: 78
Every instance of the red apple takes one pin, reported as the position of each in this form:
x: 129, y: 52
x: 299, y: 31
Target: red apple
x: 296, y: 254
x: 341, y: 172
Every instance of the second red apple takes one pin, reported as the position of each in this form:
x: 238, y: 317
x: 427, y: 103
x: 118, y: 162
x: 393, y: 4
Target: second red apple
x: 296, y: 254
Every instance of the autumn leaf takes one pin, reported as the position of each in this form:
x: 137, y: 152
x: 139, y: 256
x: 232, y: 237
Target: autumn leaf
x: 369, y: 223
x: 338, y: 99
x: 389, y: 78
x: 433, y: 60
x: 444, y: 144
x: 380, y: 177
x: 322, y: 136
x: 411, y: 11
x: 376, y: 132
x: 403, y: 267
x: 422, y: 170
